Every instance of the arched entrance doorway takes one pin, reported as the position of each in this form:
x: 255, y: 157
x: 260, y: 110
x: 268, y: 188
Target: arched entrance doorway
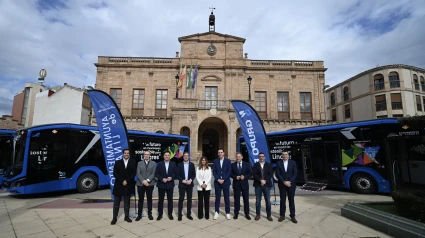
x: 212, y: 135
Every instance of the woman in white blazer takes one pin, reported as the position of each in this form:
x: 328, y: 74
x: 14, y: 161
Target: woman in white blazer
x: 203, y: 176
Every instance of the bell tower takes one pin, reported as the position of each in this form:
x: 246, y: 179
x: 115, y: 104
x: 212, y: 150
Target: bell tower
x: 211, y: 22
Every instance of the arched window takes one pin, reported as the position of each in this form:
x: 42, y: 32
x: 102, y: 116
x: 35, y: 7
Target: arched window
x: 159, y: 132
x: 394, y: 80
x: 332, y: 98
x: 185, y: 131
x: 378, y: 81
x: 346, y: 94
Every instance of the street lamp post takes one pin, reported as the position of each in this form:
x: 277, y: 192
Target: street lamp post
x: 324, y: 101
x: 177, y: 85
x: 249, y: 87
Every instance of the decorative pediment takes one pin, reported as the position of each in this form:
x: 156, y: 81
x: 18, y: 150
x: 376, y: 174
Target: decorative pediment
x: 211, y: 36
x: 211, y: 78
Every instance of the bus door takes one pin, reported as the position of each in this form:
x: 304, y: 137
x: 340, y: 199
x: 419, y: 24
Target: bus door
x: 333, y: 162
x: 297, y: 156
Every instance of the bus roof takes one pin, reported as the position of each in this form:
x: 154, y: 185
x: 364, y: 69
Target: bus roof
x: 86, y: 127
x: 334, y: 126
x: 7, y: 131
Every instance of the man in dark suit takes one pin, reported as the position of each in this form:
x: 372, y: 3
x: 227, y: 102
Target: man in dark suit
x: 124, y: 172
x: 185, y: 174
x: 222, y: 171
x: 165, y: 173
x: 241, y: 172
x: 286, y: 173
x: 263, y: 173
x: 145, y: 183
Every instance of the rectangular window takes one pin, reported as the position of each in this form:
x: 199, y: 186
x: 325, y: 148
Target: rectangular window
x: 161, y: 102
x: 381, y: 103
x: 334, y: 114
x: 138, y: 102
x: 332, y: 99
x: 347, y: 111
x: 283, y: 105
x: 116, y: 94
x: 418, y: 103
x: 305, y: 106
x: 261, y: 103
x: 210, y: 97
x: 396, y: 103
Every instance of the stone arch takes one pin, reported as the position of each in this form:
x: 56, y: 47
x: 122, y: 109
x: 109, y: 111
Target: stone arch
x: 185, y: 131
x: 212, y: 135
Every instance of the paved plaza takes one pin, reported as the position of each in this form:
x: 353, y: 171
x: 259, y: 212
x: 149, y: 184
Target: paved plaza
x: 70, y: 215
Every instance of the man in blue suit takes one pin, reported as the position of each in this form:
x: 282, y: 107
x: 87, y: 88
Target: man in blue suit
x: 286, y: 173
x: 165, y: 173
x: 186, y: 174
x: 222, y: 171
x: 241, y: 172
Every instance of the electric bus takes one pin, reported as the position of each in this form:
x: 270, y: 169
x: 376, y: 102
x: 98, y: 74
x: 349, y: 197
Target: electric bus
x: 59, y: 157
x: 365, y: 156
x: 6, y: 151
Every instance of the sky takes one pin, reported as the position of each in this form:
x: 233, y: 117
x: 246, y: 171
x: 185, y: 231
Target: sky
x: 65, y: 37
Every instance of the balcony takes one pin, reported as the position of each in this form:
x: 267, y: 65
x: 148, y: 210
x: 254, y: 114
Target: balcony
x: 381, y: 106
x: 395, y: 84
x: 213, y: 104
x: 397, y: 105
x: 379, y: 86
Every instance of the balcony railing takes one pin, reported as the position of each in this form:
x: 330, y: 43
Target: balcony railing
x: 396, y: 105
x: 379, y: 86
x: 395, y: 84
x: 381, y: 106
x: 213, y: 104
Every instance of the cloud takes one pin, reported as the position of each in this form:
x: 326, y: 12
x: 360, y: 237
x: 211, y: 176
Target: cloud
x: 66, y: 37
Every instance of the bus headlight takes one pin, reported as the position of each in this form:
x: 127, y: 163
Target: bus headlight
x: 18, y: 183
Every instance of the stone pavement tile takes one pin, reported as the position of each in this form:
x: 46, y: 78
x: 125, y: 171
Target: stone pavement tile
x: 113, y: 231
x: 201, y: 224
x: 44, y: 234
x: 31, y: 230
x: 96, y: 224
x: 4, y: 221
x: 182, y: 229
x: 81, y: 234
x: 6, y: 228
x: 330, y: 226
x: 91, y: 218
x: 28, y: 224
x: 258, y: 229
x: 282, y: 233
x: 165, y: 223
x: 220, y: 229
x: 10, y: 234
x: 160, y: 234
x: 78, y: 213
x: 349, y: 236
x: 264, y: 222
x: 235, y: 223
x: 145, y: 229
x: 64, y: 231
x: 64, y: 218
x: 305, y: 223
x: 201, y: 234
x: 237, y: 233
x: 62, y: 224
x: 307, y: 236
x: 23, y: 217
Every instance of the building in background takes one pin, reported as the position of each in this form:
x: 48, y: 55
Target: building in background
x: 7, y: 122
x: 286, y: 93
x: 66, y: 104
x: 23, y: 104
x: 386, y: 91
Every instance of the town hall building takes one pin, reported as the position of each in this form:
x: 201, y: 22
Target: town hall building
x: 154, y: 95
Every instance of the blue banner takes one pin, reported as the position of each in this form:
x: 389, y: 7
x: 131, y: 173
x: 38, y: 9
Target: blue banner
x: 252, y: 130
x: 112, y: 130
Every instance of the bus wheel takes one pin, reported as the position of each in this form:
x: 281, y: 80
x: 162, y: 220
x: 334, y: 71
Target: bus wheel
x: 363, y: 183
x: 87, y: 183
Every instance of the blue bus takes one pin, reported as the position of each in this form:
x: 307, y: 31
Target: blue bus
x: 365, y: 156
x: 6, y: 151
x: 58, y: 157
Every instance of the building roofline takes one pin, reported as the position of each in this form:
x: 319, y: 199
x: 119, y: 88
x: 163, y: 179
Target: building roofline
x: 376, y: 69
x: 240, y: 39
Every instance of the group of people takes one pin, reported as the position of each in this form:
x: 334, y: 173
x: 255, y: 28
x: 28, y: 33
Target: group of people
x: 163, y: 174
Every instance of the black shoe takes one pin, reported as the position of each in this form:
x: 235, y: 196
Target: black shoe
x: 207, y: 217
x: 235, y: 216
x: 171, y: 217
x: 247, y: 217
x: 114, y: 221
x: 189, y: 217
x: 150, y: 217
x: 294, y: 220
x: 270, y: 218
x: 200, y: 217
x: 138, y: 218
x: 180, y: 218
x: 127, y: 219
x: 159, y: 218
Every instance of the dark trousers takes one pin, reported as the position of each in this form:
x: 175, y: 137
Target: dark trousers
x: 204, y: 203
x: 237, y: 195
x: 117, y: 202
x: 141, y: 190
x: 161, y: 194
x: 283, y: 190
x: 226, y: 194
x: 262, y: 190
x: 182, y: 192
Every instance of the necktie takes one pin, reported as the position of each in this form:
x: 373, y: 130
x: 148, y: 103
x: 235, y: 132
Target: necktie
x: 239, y: 167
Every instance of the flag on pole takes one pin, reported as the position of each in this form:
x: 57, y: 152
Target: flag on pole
x: 182, y: 76
x: 195, y: 75
x: 179, y: 84
x: 189, y: 78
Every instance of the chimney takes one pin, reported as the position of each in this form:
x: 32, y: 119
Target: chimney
x: 177, y: 54
x: 246, y: 55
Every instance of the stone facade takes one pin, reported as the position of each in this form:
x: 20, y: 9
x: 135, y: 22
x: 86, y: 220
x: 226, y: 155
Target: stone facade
x: 210, y: 120
x: 8, y: 123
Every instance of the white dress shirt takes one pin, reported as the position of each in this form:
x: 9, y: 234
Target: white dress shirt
x: 125, y: 162
x: 221, y: 162
x: 285, y: 164
x: 166, y: 166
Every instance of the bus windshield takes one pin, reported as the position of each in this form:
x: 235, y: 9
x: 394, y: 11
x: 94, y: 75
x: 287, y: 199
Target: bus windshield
x: 20, y: 141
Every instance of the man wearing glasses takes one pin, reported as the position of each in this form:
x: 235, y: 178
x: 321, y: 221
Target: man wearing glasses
x: 263, y: 173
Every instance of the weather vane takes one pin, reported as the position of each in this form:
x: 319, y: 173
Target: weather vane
x: 212, y: 8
